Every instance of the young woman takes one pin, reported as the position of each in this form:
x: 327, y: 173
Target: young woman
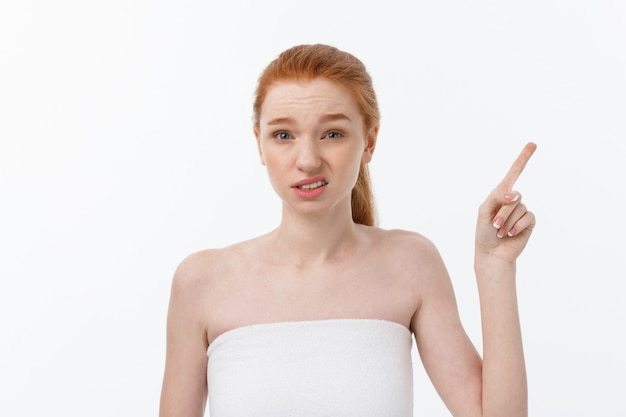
x: 315, y: 318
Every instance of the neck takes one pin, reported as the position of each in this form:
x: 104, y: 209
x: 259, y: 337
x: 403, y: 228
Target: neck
x: 308, y: 240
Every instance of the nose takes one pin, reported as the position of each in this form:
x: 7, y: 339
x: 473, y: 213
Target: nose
x: 308, y: 158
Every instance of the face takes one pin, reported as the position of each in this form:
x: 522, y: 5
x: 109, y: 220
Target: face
x: 312, y: 140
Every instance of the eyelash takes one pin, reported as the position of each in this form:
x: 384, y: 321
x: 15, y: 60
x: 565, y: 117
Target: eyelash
x: 278, y: 135
x: 334, y: 132
x: 282, y: 136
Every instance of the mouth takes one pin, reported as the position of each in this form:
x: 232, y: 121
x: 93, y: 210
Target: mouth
x: 312, y: 186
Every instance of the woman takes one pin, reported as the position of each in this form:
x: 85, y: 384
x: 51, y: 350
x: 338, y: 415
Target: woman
x: 316, y: 317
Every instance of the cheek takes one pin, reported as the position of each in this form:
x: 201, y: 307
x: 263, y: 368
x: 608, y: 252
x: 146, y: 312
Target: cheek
x: 265, y: 154
x: 270, y: 160
x: 274, y: 166
x: 359, y: 156
x: 352, y: 164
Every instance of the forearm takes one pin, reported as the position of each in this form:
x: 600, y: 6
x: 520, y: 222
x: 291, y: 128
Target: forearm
x: 504, y: 385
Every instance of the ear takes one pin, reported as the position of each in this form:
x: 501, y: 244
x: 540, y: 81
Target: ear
x: 258, y: 144
x: 370, y: 145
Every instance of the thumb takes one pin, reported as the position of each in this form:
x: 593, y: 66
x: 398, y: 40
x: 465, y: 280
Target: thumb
x: 497, y: 204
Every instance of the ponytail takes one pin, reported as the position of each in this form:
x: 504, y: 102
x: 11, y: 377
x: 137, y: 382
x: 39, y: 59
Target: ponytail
x: 363, y: 207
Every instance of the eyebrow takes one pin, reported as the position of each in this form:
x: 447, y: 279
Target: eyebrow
x: 326, y: 118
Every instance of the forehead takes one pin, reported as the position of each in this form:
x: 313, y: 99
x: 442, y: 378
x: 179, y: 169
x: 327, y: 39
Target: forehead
x: 315, y: 96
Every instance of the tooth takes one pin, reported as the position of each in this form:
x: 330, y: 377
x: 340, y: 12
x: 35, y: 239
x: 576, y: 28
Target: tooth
x: 312, y: 186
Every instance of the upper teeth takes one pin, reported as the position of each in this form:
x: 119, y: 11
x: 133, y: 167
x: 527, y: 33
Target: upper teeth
x: 311, y: 186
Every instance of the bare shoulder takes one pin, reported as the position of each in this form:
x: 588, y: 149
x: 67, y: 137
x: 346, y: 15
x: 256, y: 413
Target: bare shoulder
x: 408, y: 266
x: 407, y: 247
x: 409, y: 257
x: 413, y: 259
x: 202, y: 267
x: 205, y: 269
x: 197, y: 268
x: 189, y: 287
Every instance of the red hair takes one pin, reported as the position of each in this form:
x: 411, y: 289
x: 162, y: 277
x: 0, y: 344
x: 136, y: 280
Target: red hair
x: 307, y: 62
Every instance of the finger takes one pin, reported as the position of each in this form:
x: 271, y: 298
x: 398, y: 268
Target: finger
x: 503, y: 208
x: 511, y: 221
x: 518, y: 166
x: 525, y: 223
x: 496, y: 200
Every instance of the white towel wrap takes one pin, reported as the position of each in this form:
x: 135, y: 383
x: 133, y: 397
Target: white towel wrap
x: 330, y: 368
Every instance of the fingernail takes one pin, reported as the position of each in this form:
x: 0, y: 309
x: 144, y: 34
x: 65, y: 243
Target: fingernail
x: 497, y: 223
x: 513, y: 197
x: 512, y: 232
x: 500, y: 233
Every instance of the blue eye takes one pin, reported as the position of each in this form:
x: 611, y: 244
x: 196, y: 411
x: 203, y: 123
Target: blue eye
x: 333, y: 135
x: 282, y: 136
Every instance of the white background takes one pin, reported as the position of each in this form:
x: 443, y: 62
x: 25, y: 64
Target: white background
x: 126, y: 144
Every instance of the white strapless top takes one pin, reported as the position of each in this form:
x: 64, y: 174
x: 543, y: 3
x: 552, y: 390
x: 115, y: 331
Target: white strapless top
x: 329, y: 368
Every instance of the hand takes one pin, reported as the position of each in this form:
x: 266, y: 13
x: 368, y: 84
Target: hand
x: 504, y: 224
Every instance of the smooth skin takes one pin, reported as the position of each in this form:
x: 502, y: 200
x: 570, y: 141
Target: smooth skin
x: 318, y: 264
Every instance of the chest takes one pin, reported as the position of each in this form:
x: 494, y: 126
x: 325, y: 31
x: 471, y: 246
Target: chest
x: 266, y: 293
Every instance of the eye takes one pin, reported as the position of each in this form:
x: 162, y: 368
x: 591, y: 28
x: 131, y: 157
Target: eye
x: 282, y: 136
x: 333, y: 135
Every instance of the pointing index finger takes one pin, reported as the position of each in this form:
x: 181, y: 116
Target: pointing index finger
x: 517, y: 167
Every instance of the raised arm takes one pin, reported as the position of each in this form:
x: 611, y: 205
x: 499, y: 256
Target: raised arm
x: 503, y: 228
x: 494, y: 385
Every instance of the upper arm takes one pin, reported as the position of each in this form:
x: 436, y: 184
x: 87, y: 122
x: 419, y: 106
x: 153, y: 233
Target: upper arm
x: 184, y: 389
x: 448, y: 355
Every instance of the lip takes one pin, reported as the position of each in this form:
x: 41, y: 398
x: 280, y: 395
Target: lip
x: 307, y: 181
x: 309, y: 194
